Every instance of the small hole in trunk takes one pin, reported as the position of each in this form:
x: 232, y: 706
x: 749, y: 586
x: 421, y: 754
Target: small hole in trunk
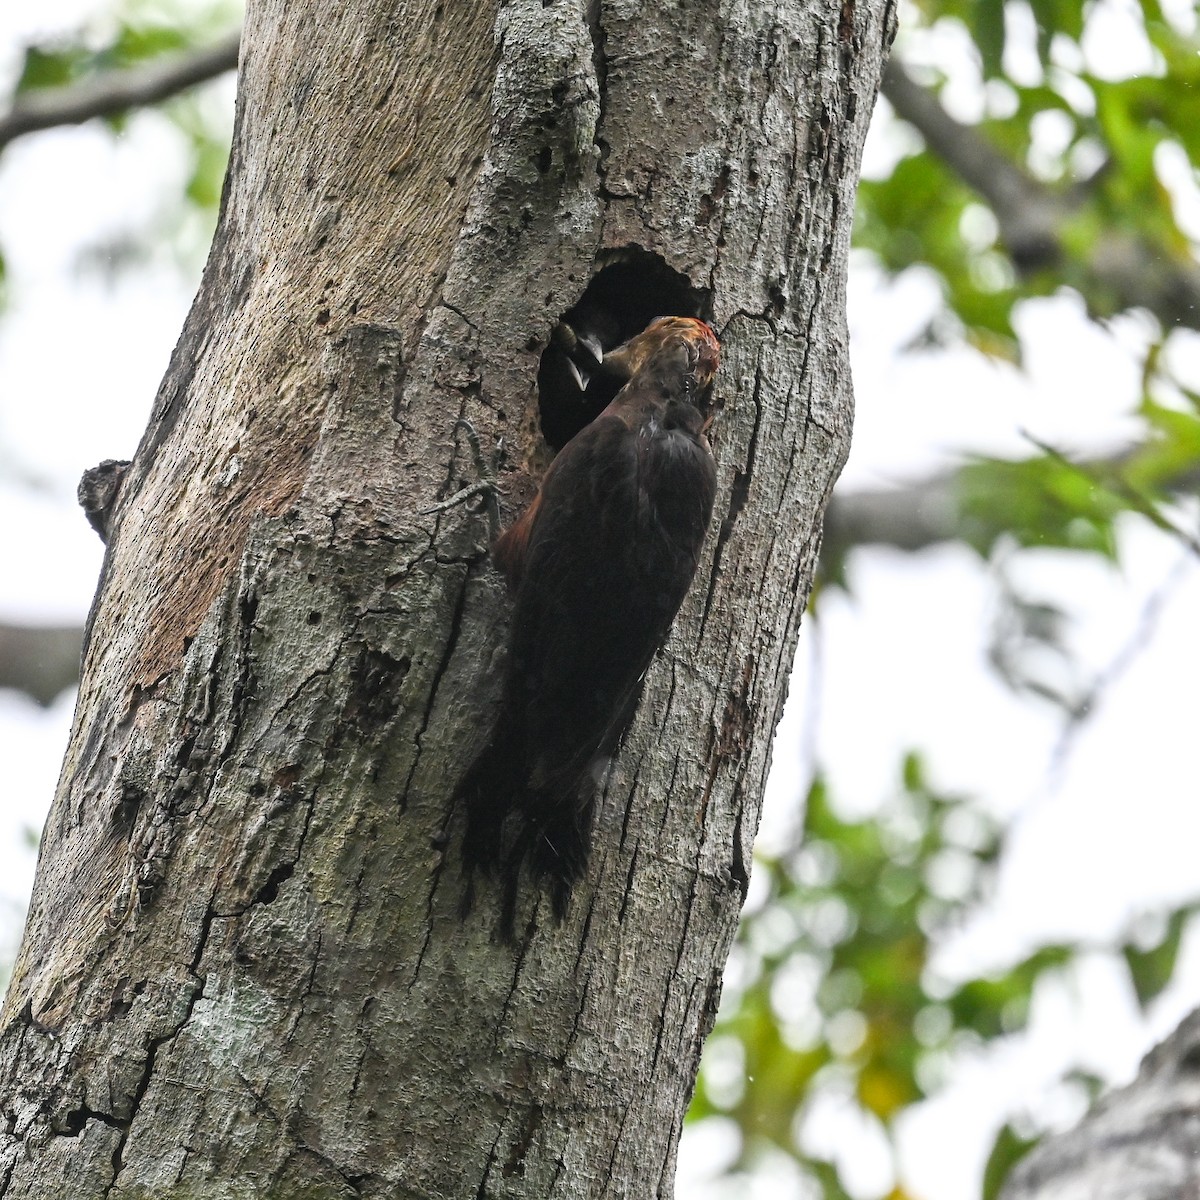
x: 631, y: 288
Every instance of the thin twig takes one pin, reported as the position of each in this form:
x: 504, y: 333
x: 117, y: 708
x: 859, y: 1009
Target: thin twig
x: 1139, y: 641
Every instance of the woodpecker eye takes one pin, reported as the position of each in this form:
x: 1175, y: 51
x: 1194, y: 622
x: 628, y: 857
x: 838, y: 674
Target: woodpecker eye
x: 631, y: 288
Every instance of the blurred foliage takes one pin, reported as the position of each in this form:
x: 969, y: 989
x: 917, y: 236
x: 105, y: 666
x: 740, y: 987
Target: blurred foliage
x: 833, y: 997
x: 1049, y: 500
x: 131, y: 34
x: 829, y: 982
x: 833, y: 1000
x: 1117, y: 162
x: 1101, y: 148
x: 917, y: 215
x: 1007, y: 1150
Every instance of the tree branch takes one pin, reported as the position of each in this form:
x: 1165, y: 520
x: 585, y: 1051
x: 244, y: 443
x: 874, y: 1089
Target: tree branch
x: 117, y: 91
x: 97, y: 493
x: 1028, y: 213
x: 924, y: 512
x: 41, y: 662
x: 908, y: 517
x: 1121, y: 271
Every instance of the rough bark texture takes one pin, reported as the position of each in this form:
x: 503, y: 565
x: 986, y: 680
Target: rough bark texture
x: 1140, y: 1143
x: 243, y: 971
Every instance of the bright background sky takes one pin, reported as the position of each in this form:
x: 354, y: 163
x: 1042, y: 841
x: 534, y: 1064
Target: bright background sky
x: 1104, y: 829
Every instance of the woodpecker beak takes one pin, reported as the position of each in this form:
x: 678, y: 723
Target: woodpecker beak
x: 624, y: 361
x: 703, y: 351
x: 581, y: 377
x: 582, y: 353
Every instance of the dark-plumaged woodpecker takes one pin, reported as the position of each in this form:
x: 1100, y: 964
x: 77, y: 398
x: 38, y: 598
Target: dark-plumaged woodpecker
x: 599, y: 564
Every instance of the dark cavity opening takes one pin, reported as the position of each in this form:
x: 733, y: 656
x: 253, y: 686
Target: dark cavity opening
x: 630, y: 289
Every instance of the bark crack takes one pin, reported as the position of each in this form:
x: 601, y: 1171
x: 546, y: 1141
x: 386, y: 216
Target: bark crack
x: 628, y: 892
x: 434, y: 879
x: 633, y: 785
x: 152, y: 1049
x: 353, y: 1182
x: 516, y: 976
x: 670, y: 791
x: 587, y: 928
x: 481, y: 1191
x: 600, y: 66
x: 738, y: 493
x: 579, y: 1011
x: 689, y: 908
x: 435, y: 685
x: 305, y: 992
x: 617, y: 1141
x: 458, y: 312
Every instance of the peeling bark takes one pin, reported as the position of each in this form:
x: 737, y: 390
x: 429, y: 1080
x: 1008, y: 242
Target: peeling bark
x: 243, y: 971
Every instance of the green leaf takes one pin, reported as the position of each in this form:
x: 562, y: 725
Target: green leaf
x: 1151, y: 969
x: 1056, y: 16
x: 1007, y: 1150
x: 988, y: 29
x: 1042, y: 501
x: 137, y: 42
x: 47, y: 68
x: 999, y: 1005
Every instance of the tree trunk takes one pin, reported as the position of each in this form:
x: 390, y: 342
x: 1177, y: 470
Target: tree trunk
x: 1139, y: 1143
x: 244, y: 972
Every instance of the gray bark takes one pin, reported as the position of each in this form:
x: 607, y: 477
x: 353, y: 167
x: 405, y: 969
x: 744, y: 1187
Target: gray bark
x: 1140, y: 1143
x: 244, y: 972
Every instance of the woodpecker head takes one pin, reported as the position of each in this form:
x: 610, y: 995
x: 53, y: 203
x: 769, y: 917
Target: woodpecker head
x: 666, y: 335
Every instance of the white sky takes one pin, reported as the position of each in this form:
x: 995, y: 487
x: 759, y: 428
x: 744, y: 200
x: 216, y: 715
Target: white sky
x: 1109, y: 833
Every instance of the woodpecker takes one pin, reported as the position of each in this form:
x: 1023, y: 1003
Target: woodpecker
x: 598, y: 565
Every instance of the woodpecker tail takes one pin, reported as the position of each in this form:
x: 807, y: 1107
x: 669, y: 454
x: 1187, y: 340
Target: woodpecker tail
x: 510, y: 823
x: 557, y: 839
x: 490, y: 790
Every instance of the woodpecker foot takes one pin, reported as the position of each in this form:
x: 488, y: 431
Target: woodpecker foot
x: 484, y: 487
